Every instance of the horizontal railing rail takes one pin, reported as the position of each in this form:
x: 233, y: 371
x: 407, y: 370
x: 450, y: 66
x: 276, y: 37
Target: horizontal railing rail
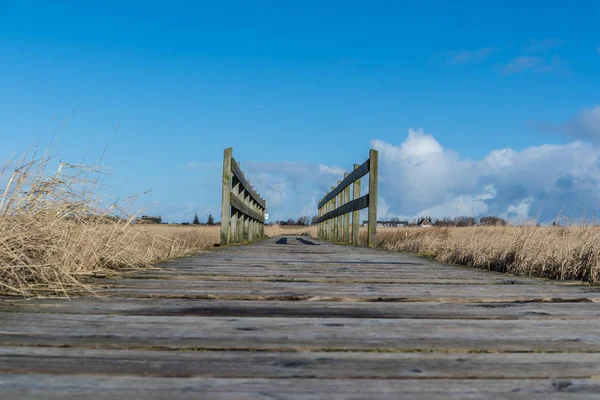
x: 242, y: 208
x: 334, y: 209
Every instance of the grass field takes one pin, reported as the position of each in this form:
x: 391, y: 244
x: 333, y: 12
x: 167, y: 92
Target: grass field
x: 550, y: 252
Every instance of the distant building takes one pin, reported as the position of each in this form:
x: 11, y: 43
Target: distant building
x: 388, y: 224
x: 425, y: 224
x: 147, y: 219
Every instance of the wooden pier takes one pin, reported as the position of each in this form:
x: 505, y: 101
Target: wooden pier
x: 296, y: 318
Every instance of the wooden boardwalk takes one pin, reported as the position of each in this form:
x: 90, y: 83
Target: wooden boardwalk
x: 295, y: 318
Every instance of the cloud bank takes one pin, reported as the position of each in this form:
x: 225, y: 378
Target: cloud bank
x: 419, y: 176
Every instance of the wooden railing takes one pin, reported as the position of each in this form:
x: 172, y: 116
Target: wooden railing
x: 337, y: 205
x: 242, y: 209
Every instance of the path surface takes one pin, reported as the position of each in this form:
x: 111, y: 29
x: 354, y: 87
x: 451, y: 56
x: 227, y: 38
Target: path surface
x: 294, y: 318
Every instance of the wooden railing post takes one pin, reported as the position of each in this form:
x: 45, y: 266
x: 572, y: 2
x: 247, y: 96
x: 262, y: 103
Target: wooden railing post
x: 356, y: 214
x: 338, y: 220
x: 322, y: 224
x: 233, y: 235
x: 226, y: 199
x: 373, y: 171
x: 333, y: 221
x: 347, y: 238
x: 240, y: 223
x: 246, y: 221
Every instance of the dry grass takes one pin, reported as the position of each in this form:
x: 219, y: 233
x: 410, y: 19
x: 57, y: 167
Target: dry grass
x: 186, y: 238
x: 54, y: 231
x: 550, y: 252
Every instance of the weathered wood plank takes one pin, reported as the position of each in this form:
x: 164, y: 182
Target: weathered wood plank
x: 36, y: 386
x: 238, y: 364
x: 354, y: 205
x: 298, y: 334
x: 304, y: 309
x: 352, y: 291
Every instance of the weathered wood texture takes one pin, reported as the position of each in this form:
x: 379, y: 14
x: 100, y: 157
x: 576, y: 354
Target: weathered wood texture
x: 293, y: 317
x: 335, y: 207
x: 242, y: 209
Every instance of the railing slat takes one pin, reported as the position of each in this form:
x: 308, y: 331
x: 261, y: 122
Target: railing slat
x: 238, y: 173
x: 245, y: 209
x: 354, y: 205
x: 354, y: 175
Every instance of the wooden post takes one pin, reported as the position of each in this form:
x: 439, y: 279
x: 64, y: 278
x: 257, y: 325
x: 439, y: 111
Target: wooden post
x: 246, y: 220
x: 332, y: 206
x: 355, y: 214
x: 241, y: 217
x: 233, y: 237
x: 226, y: 193
x: 262, y: 225
x: 321, y: 224
x: 252, y: 235
x: 373, y: 171
x: 325, y: 225
x: 338, y: 227
x: 347, y: 238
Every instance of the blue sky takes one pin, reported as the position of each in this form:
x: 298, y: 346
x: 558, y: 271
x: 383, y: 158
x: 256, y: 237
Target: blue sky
x: 301, y: 90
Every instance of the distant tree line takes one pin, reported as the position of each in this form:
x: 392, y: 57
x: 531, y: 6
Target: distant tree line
x: 300, y: 221
x: 461, y: 221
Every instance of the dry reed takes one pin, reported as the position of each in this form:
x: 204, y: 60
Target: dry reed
x: 550, y: 252
x: 55, y: 230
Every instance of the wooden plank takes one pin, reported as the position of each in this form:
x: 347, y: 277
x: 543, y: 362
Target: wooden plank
x: 235, y: 168
x: 48, y: 386
x: 350, y: 291
x: 303, y: 309
x: 225, y: 202
x: 299, y: 334
x: 354, y: 205
x: 373, y: 172
x: 354, y: 175
x: 235, y: 364
x: 245, y: 209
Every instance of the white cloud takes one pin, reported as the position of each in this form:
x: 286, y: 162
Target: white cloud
x: 537, y: 181
x: 584, y: 125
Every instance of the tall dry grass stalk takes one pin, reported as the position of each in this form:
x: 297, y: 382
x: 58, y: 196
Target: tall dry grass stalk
x: 550, y: 252
x: 55, y: 230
